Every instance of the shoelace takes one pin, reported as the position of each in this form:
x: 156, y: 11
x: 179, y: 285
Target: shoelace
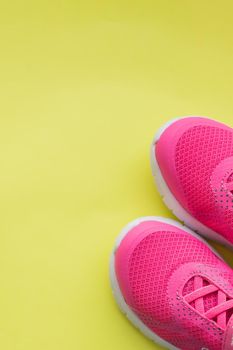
x: 218, y: 312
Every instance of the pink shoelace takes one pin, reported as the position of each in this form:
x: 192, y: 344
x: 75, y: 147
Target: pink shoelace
x: 218, y: 312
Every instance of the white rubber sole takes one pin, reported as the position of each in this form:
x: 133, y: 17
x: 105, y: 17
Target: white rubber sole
x: 171, y: 201
x: 135, y: 320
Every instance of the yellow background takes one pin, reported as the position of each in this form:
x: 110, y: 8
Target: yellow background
x: 84, y: 85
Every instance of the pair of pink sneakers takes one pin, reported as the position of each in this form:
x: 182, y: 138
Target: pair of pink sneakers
x: 169, y: 282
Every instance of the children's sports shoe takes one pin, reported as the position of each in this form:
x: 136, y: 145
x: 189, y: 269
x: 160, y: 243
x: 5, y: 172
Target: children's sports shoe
x: 173, y: 286
x: 192, y: 161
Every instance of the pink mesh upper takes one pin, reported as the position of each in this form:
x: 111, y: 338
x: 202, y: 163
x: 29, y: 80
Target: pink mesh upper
x: 152, y: 266
x: 153, y: 261
x: 195, y: 156
x: 198, y: 152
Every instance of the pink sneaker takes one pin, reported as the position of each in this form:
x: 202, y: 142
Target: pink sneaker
x: 192, y: 161
x: 173, y: 286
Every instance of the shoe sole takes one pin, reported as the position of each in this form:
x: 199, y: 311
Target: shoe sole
x: 133, y: 318
x: 169, y: 199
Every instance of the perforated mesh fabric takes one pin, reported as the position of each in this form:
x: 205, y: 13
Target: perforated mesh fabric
x: 150, y: 266
x: 199, y: 150
x: 210, y: 301
x: 189, y: 287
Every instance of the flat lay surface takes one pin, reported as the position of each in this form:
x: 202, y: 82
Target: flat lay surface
x: 84, y: 86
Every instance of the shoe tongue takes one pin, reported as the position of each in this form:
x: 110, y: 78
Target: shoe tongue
x: 228, y: 337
